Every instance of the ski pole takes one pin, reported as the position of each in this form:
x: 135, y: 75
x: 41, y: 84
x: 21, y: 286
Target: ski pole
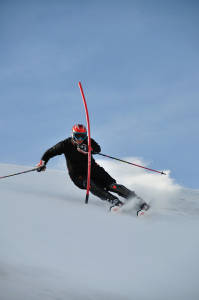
x: 31, y: 170
x: 127, y: 162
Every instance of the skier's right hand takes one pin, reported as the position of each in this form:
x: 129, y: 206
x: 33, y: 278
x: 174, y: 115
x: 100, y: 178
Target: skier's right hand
x: 41, y: 166
x: 83, y: 148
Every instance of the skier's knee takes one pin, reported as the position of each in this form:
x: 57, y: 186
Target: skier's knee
x: 101, y: 192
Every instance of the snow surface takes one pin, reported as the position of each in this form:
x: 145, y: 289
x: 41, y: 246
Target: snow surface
x: 53, y: 246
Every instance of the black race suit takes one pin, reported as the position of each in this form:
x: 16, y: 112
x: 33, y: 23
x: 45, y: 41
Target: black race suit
x: 77, y: 163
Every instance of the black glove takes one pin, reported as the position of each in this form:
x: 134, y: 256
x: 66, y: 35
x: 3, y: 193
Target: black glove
x: 41, y: 166
x: 83, y: 148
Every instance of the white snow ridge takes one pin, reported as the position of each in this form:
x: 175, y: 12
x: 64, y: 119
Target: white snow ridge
x: 53, y: 246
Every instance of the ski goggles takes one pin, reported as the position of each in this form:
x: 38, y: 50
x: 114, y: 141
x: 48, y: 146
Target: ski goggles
x: 79, y: 136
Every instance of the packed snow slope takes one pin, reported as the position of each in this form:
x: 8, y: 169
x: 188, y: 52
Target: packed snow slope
x: 53, y: 246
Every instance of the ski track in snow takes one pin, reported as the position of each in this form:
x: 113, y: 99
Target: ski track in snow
x: 53, y: 246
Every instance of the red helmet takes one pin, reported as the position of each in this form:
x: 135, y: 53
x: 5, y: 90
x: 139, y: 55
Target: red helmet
x: 79, y: 133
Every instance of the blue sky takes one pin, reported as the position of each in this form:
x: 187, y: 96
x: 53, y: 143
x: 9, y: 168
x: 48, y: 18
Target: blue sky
x: 138, y: 62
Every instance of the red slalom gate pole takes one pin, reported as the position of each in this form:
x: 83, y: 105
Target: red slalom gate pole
x: 89, y: 142
x: 127, y: 162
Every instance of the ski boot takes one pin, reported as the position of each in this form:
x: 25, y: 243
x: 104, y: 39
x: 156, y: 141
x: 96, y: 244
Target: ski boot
x: 105, y: 195
x: 143, y: 208
x: 116, y: 204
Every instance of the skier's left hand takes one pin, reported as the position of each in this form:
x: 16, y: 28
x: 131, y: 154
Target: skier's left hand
x: 83, y: 148
x: 41, y: 166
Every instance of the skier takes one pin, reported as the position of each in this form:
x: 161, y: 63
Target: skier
x: 75, y: 149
